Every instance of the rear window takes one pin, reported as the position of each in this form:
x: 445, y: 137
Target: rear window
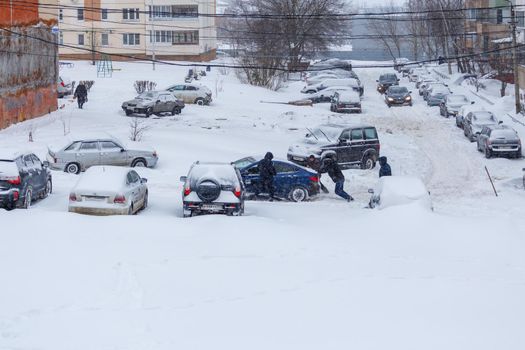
x: 8, y: 168
x: 283, y: 167
x: 507, y: 134
x: 356, y: 134
x: 223, y: 174
x: 370, y: 134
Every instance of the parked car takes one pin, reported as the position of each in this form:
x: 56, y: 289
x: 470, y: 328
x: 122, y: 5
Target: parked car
x: 399, y: 190
x: 499, y: 140
x: 385, y: 81
x: 326, y: 95
x: 398, y: 95
x: 452, y: 104
x: 431, y: 86
x: 423, y: 79
x: 292, y: 182
x: 355, y: 145
x: 347, y: 82
x: 23, y: 179
x: 425, y: 84
x: 153, y: 102
x: 213, y: 188
x: 400, y: 63
x: 80, y: 153
x: 463, y: 111
x: 64, y: 87
x: 437, y: 95
x: 346, y: 102
x: 192, y: 93
x: 316, y: 79
x: 475, y: 121
x: 109, y: 190
x: 416, y: 73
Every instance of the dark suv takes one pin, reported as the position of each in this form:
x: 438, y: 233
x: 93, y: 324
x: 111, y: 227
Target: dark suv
x: 354, y: 145
x: 499, y: 140
x: 23, y: 178
x: 385, y: 81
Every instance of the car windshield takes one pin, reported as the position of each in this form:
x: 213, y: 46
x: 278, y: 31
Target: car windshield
x: 483, y: 118
x: 457, y: 99
x: 319, y: 134
x: 388, y: 78
x: 440, y: 91
x: 398, y: 90
x: 507, y: 134
x: 148, y: 95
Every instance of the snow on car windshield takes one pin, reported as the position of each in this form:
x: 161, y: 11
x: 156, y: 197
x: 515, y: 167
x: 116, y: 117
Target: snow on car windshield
x: 457, y: 99
x: 8, y: 168
x: 398, y: 90
x: 507, y: 134
x: 483, y: 118
x: 148, y: 95
x: 319, y: 134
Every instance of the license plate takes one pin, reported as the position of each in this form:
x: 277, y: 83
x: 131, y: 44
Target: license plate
x: 297, y: 158
x: 93, y: 198
x: 211, y: 207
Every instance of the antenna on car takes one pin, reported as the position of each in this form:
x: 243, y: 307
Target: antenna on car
x: 325, y: 135
x: 311, y: 133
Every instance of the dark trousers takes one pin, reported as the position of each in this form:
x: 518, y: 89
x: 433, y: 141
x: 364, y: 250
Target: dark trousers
x: 340, y: 191
x: 81, y: 101
x: 266, y: 187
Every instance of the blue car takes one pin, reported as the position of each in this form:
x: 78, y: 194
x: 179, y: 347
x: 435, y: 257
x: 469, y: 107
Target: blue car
x: 292, y: 182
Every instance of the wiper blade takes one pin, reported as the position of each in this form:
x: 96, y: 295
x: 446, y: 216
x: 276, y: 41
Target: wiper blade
x: 311, y: 133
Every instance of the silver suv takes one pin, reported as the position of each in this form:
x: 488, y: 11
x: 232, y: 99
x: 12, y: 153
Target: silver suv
x: 499, y: 140
x: 191, y: 93
x: 213, y: 188
x: 82, y: 153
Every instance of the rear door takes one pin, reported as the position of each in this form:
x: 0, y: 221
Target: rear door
x: 191, y: 93
x: 32, y: 175
x: 286, y: 178
x: 134, y: 187
x: 357, y: 145
x: 178, y: 91
x: 40, y: 171
x: 371, y: 139
x: 89, y: 154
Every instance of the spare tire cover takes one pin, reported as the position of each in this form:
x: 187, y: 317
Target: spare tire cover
x: 208, y: 190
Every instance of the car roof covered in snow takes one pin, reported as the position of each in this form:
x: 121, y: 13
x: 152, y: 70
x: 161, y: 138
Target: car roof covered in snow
x: 399, y: 190
x: 69, y: 139
x: 10, y: 154
x: 102, y: 178
x: 344, y: 126
x: 349, y: 95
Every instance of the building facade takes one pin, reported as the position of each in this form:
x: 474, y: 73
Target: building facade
x: 28, y: 62
x: 164, y: 29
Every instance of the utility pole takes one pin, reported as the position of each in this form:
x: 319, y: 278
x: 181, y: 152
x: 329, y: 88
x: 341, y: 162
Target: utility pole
x: 152, y: 35
x: 515, y: 58
x: 446, y: 40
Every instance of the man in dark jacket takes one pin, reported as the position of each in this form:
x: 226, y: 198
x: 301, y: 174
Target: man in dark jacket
x: 315, y: 164
x: 266, y: 173
x: 331, y: 167
x: 81, y: 95
x: 385, y: 168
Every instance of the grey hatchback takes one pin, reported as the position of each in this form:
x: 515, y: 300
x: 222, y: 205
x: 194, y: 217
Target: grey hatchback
x: 499, y: 140
x: 153, y: 102
x: 81, y: 153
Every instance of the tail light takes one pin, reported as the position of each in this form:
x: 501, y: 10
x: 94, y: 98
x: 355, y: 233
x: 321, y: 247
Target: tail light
x: 155, y: 154
x: 120, y: 199
x: 314, y: 178
x: 62, y: 83
x: 187, y: 190
x: 237, y: 192
x: 72, y: 197
x: 14, y: 180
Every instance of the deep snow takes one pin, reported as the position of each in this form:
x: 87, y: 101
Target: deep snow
x: 323, y: 274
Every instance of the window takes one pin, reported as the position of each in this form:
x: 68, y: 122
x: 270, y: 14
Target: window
x: 185, y: 10
x: 499, y: 16
x: 345, y: 135
x: 130, y: 14
x: 284, y: 168
x: 108, y: 145
x: 370, y: 134
x: 61, y: 15
x: 80, y: 14
x: 104, y: 39
x: 166, y: 12
x: 131, y: 39
x: 36, y: 162
x: 73, y: 146
x: 89, y: 146
x: 191, y: 88
x: 520, y: 18
x: 186, y: 37
x: 254, y: 170
x: 357, y: 134
x: 176, y: 88
x: 133, y: 177
x: 104, y: 14
x: 61, y: 38
x: 28, y: 161
x: 81, y: 39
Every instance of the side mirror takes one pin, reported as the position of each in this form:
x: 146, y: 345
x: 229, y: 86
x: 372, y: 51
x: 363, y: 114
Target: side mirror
x: 500, y: 122
x: 410, y: 92
x: 472, y: 102
x: 143, y: 180
x: 371, y: 190
x: 183, y: 178
x: 158, y: 101
x: 377, y: 81
x: 122, y: 150
x: 45, y: 164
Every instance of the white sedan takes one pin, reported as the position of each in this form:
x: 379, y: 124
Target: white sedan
x: 399, y: 190
x: 109, y: 190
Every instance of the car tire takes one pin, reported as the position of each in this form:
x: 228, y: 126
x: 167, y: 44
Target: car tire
x: 149, y: 112
x: 175, y: 111
x: 488, y: 153
x: 139, y: 162
x: 28, y: 198
x: 199, y: 101
x: 130, y: 210
x: 48, y: 189
x: 389, y: 105
x: 128, y: 113
x: 298, y: 194
x: 184, y: 215
x: 518, y: 154
x: 145, y: 204
x: 368, y: 163
x: 208, y: 190
x: 72, y: 168
x: 479, y: 148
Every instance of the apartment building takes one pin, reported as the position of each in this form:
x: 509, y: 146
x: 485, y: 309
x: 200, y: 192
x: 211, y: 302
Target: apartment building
x: 28, y: 61
x: 166, y: 29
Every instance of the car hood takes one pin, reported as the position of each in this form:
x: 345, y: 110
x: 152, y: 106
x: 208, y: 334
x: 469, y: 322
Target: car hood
x: 307, y: 147
x: 140, y: 102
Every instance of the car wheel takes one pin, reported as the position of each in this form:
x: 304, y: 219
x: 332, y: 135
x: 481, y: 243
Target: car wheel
x: 175, y: 111
x: 73, y: 168
x: 187, y: 215
x: 128, y: 113
x: 28, y: 198
x: 139, y: 163
x: 298, y: 194
x: 479, y: 147
x: 488, y: 153
x: 368, y: 163
x: 389, y: 105
x: 517, y: 155
x: 145, y: 204
x: 149, y: 112
x: 130, y: 210
x: 48, y: 189
x: 199, y: 101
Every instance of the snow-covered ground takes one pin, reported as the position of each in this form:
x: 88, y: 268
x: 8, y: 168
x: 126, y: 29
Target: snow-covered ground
x: 322, y: 274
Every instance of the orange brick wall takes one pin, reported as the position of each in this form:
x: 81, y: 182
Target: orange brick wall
x: 27, y: 104
x: 13, y: 12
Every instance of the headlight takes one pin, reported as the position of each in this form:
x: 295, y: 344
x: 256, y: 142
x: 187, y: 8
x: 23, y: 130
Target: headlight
x: 408, y: 98
x: 390, y: 99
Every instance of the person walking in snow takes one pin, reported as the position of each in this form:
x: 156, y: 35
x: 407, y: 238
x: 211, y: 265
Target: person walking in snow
x: 384, y: 170
x: 315, y: 164
x: 81, y: 95
x: 267, y: 173
x: 330, y: 166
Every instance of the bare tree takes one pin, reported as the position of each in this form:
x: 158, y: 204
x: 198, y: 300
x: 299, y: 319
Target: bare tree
x: 388, y: 29
x: 137, y: 128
